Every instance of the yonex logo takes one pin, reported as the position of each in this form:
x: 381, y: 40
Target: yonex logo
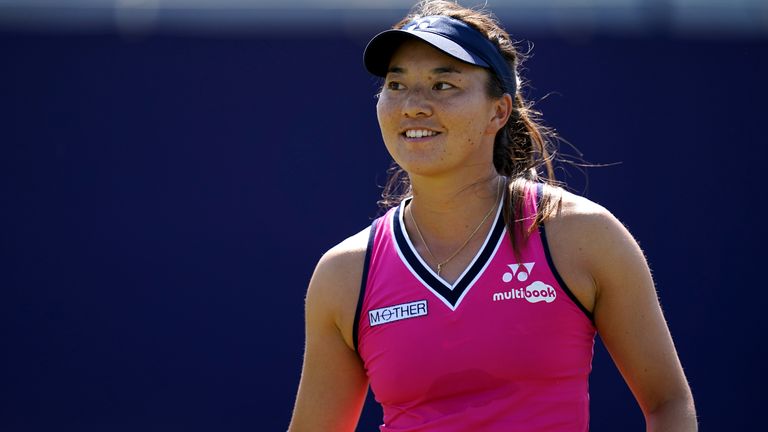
x: 421, y: 23
x: 521, y: 274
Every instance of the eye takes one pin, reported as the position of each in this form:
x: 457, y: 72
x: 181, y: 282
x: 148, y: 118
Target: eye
x: 394, y: 85
x: 442, y: 86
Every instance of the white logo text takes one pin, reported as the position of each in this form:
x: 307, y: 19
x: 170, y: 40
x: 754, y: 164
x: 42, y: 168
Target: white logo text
x: 534, y: 293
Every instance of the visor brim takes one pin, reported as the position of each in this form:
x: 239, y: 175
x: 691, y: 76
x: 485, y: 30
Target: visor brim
x: 380, y: 49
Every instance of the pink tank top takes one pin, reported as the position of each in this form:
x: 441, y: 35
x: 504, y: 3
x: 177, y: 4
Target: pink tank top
x: 505, y: 348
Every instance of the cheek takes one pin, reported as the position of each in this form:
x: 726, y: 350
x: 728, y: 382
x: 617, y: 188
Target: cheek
x: 384, y: 110
x: 384, y: 119
x: 388, y: 123
x: 476, y: 127
x: 470, y: 130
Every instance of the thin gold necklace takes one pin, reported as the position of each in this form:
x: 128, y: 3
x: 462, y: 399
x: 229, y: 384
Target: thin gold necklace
x: 482, y: 222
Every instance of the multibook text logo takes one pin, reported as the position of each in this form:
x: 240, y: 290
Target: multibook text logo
x: 534, y: 293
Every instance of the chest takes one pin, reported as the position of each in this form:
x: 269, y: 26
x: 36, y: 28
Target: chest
x: 510, y: 325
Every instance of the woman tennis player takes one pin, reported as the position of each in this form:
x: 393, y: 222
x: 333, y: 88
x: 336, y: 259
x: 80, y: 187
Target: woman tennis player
x: 473, y: 303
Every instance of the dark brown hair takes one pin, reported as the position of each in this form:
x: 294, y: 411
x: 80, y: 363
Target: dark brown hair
x: 523, y: 149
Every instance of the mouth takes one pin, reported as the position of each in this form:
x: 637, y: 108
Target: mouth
x: 419, y: 133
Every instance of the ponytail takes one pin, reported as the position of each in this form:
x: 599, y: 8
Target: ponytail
x: 523, y: 150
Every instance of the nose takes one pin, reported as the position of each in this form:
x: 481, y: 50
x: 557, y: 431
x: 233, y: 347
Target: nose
x: 417, y: 104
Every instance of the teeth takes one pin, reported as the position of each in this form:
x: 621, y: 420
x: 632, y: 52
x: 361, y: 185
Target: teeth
x: 419, y: 133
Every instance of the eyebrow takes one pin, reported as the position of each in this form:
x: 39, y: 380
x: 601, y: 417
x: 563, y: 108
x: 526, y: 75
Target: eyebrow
x: 436, y: 71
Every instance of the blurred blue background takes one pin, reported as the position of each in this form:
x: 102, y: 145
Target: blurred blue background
x: 171, y: 170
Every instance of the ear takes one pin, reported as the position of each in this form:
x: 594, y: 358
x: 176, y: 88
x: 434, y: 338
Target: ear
x: 502, y: 110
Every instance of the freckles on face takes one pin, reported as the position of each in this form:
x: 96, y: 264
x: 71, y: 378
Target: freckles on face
x: 434, y: 109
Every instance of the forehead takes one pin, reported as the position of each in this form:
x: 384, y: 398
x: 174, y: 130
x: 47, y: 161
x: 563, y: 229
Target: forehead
x: 417, y: 54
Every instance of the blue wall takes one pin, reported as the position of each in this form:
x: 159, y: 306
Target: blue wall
x: 165, y: 199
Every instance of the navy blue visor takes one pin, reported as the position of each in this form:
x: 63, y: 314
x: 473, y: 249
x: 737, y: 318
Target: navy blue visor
x: 451, y: 36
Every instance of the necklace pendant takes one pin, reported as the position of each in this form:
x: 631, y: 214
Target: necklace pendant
x: 439, y: 267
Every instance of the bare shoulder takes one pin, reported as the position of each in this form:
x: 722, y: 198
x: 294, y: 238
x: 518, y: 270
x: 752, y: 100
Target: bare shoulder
x: 335, y: 285
x: 576, y: 209
x: 599, y: 235
x: 342, y: 262
x: 585, y: 239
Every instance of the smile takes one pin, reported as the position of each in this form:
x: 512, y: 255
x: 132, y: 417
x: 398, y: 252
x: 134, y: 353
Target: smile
x: 419, y: 133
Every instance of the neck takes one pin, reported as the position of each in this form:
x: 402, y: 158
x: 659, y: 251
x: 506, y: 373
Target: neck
x: 447, y: 211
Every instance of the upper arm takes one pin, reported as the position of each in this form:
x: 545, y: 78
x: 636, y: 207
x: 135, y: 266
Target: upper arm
x: 628, y: 315
x: 333, y: 382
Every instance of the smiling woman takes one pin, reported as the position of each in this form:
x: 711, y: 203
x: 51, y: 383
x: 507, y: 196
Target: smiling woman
x: 473, y: 303
x: 423, y: 108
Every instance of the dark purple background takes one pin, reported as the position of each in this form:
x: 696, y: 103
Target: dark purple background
x: 165, y: 199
